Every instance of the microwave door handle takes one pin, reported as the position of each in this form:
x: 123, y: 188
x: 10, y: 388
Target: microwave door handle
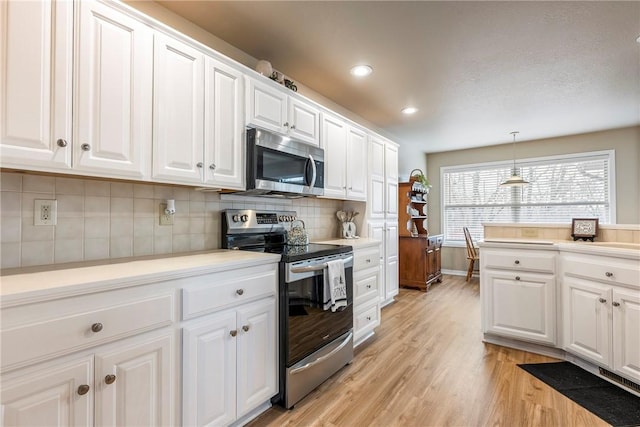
x: 313, y: 169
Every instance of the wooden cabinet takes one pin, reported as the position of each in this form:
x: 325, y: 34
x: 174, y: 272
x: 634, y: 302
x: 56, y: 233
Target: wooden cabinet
x: 270, y: 107
x: 413, y: 209
x: 35, y: 84
x: 229, y: 355
x: 113, y: 112
x: 518, y: 292
x: 420, y: 261
x: 345, y: 149
x: 601, y: 311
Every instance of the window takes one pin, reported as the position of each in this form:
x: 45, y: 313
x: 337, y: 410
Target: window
x: 560, y: 188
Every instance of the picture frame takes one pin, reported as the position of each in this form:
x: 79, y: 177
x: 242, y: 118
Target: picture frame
x: 584, y: 228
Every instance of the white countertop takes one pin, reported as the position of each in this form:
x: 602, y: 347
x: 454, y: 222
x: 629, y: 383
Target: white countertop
x: 120, y: 274
x: 616, y: 249
x: 361, y: 242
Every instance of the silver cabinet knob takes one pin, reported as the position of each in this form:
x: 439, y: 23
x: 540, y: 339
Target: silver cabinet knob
x: 286, y: 124
x: 245, y: 328
x: 367, y: 260
x: 368, y: 317
x: 240, y: 291
x: 110, y: 379
x: 292, y: 127
x: 517, y: 262
x: 368, y: 286
x: 61, y: 142
x: 96, y: 327
x: 199, y: 164
x: 233, y: 333
x: 212, y: 166
x: 517, y: 277
x: 85, y: 147
x: 602, y: 300
x: 83, y: 389
x: 615, y: 304
x: 608, y: 274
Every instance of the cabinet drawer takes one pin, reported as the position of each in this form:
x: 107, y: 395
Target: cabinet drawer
x: 520, y: 260
x: 84, y: 325
x: 366, y: 258
x: 369, y: 318
x: 211, y: 292
x: 604, y: 269
x: 365, y: 289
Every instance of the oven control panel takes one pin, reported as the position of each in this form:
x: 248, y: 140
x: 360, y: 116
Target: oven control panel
x: 244, y: 220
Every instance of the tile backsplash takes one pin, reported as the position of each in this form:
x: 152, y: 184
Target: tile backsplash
x: 100, y: 219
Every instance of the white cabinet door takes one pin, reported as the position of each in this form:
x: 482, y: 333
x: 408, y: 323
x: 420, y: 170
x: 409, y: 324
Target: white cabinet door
x: 266, y: 107
x: 178, y: 111
x: 391, y: 180
x: 48, y: 395
x: 377, y: 231
x: 376, y: 192
x: 334, y: 142
x: 586, y: 318
x: 626, y: 332
x: 304, y: 122
x: 391, y: 268
x: 135, y: 383
x: 224, y: 126
x: 520, y: 305
x: 356, y: 165
x: 112, y: 117
x: 257, y: 357
x: 35, y: 84
x: 209, y: 371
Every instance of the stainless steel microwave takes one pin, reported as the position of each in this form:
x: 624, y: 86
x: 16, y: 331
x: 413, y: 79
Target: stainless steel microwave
x: 279, y: 165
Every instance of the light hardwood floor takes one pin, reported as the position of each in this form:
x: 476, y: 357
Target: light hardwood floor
x: 427, y: 366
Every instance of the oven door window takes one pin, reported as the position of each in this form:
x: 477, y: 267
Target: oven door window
x: 311, y: 323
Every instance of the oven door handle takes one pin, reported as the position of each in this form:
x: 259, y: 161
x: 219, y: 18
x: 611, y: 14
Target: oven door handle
x: 318, y: 267
x: 325, y: 357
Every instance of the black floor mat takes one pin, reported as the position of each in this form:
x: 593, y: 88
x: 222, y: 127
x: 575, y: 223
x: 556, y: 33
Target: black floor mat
x: 609, y: 402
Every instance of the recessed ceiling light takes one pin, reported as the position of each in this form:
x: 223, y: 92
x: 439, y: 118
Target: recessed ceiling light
x: 361, y: 70
x: 409, y: 110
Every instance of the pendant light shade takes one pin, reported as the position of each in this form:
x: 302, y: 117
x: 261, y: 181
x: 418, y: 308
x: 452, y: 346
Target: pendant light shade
x: 514, y: 180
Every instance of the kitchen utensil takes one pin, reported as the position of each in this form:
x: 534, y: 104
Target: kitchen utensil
x: 297, y: 235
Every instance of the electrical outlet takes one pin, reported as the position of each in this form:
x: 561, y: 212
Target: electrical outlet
x: 165, y: 219
x: 45, y: 212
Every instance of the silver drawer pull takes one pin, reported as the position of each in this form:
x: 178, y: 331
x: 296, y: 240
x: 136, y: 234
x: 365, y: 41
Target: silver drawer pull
x: 245, y: 328
x: 233, y: 332
x: 517, y: 262
x: 615, y: 304
x: 602, y: 300
x: 61, y: 142
x: 85, y: 147
x: 608, y: 274
x: 517, y: 277
x: 96, y: 327
x: 240, y: 291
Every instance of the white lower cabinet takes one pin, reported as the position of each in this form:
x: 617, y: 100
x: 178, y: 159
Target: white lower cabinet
x: 366, y: 283
x: 601, y: 308
x: 229, y: 363
x: 387, y: 233
x: 130, y: 382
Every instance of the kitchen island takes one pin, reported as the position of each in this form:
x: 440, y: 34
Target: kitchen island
x: 578, y: 301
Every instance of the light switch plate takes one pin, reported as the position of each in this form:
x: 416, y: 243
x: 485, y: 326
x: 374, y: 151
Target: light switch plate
x: 165, y: 219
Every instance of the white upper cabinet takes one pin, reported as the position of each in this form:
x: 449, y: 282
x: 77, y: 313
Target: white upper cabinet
x: 391, y: 180
x: 356, y: 165
x: 35, y: 84
x: 178, y: 111
x: 334, y: 143
x: 345, y: 159
x: 112, y: 125
x: 304, y: 121
x: 376, y: 200
x: 224, y: 126
x: 272, y: 108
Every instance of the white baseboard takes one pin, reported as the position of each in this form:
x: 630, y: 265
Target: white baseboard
x: 459, y: 273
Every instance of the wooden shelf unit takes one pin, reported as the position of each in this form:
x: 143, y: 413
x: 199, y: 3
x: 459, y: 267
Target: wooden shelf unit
x: 412, y: 198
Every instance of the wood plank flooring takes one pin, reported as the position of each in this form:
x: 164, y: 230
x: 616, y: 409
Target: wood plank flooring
x: 427, y: 366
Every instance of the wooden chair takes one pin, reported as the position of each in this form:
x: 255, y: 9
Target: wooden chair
x: 472, y: 253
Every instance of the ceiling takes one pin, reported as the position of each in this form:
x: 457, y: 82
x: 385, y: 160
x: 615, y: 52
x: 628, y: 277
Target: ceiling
x: 476, y: 70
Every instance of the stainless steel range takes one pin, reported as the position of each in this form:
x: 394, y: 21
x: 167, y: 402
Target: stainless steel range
x: 315, y: 341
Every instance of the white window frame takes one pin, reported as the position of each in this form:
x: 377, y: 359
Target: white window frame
x: 526, y: 161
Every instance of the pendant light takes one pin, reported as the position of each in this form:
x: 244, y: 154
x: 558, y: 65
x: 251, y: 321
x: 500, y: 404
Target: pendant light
x: 514, y: 180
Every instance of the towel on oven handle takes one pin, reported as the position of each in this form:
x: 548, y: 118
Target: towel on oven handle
x: 337, y: 289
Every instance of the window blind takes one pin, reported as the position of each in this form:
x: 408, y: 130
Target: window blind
x: 560, y: 188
